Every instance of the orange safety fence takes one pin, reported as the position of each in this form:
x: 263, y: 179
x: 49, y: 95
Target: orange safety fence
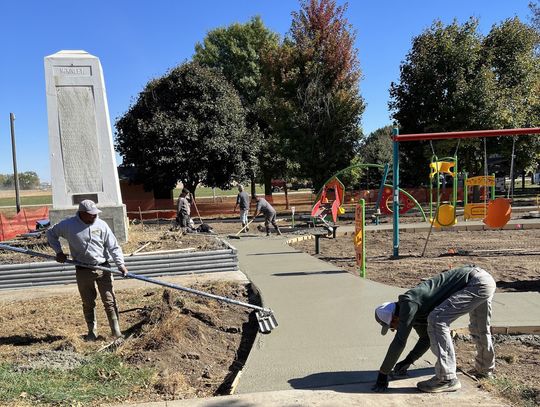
x: 23, y: 222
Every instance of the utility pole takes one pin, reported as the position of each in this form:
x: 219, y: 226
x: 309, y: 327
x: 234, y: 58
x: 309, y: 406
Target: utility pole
x: 15, y: 174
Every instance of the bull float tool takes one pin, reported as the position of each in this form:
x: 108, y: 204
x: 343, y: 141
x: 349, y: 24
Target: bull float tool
x: 265, y: 316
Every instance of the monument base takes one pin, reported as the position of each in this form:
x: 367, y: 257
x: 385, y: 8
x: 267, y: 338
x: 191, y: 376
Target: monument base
x: 115, y: 216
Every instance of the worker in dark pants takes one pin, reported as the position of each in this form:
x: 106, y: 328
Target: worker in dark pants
x: 430, y: 308
x: 242, y: 200
x: 91, y: 242
x: 183, y: 212
x: 264, y: 207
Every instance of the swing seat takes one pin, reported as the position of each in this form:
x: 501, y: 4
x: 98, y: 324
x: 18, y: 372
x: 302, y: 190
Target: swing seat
x: 446, y: 216
x: 442, y: 167
x: 499, y: 212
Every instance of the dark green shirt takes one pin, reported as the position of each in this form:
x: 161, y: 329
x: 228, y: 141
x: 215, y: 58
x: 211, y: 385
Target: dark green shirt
x: 413, y: 308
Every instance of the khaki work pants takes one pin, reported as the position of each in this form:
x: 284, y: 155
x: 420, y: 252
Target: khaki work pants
x: 475, y: 300
x: 87, y: 280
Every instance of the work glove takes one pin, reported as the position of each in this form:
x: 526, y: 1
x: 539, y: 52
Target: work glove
x: 61, y: 257
x: 381, y: 385
x: 400, y: 369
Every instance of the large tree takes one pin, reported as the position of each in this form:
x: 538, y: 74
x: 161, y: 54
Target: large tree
x: 377, y: 147
x: 314, y: 79
x: 237, y: 51
x: 27, y: 180
x: 510, y: 50
x: 534, y: 6
x: 455, y: 79
x: 189, y: 126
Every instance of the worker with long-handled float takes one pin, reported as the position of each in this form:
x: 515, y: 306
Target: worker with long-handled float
x: 264, y: 207
x: 93, y: 243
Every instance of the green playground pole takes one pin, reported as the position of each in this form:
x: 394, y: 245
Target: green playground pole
x: 395, y: 177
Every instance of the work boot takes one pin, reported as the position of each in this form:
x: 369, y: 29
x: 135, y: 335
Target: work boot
x: 90, y: 318
x: 436, y: 385
x: 115, y: 326
x: 92, y: 331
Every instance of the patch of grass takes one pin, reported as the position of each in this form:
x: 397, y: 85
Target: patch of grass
x: 28, y: 200
x: 520, y: 395
x: 104, y: 377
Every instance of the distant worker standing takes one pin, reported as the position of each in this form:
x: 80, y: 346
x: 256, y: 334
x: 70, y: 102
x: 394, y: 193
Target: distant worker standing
x: 242, y: 200
x: 430, y: 308
x: 183, y: 211
x: 91, y: 242
x: 264, y: 207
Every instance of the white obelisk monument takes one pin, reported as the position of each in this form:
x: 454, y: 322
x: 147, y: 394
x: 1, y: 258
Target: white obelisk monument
x: 83, y: 164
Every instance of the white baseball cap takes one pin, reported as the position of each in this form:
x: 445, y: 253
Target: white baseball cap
x: 384, y: 314
x: 89, y: 206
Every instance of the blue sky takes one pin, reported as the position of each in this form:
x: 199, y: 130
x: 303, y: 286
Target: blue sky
x: 138, y: 40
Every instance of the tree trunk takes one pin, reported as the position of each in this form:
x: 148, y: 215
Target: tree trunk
x: 286, y: 195
x: 523, y: 180
x: 267, y: 184
x: 191, y: 185
x: 253, y: 187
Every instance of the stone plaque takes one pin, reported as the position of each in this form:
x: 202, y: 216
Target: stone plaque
x: 78, y: 138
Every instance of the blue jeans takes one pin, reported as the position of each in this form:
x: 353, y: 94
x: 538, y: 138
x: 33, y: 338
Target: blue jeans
x: 475, y: 300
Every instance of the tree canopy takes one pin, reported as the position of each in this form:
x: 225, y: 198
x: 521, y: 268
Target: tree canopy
x: 238, y: 52
x: 455, y: 79
x: 27, y: 180
x: 313, y: 79
x: 189, y: 126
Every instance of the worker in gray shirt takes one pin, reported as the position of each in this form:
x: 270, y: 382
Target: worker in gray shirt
x: 430, y: 308
x: 183, y: 211
x: 264, y: 207
x: 242, y: 200
x: 92, y: 243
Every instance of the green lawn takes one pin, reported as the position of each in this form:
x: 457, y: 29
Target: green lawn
x: 28, y: 200
x: 103, y: 378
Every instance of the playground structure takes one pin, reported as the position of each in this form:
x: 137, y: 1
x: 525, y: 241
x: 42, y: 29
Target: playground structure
x: 445, y: 213
x: 328, y: 207
x: 478, y: 210
x: 498, y: 211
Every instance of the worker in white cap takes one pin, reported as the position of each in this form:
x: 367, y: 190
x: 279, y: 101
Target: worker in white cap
x: 430, y: 308
x: 92, y: 243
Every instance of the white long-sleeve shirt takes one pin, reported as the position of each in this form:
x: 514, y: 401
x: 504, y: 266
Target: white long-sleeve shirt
x: 91, y: 244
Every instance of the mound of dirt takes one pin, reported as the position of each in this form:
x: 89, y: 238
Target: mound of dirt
x: 195, y: 346
x: 142, y: 239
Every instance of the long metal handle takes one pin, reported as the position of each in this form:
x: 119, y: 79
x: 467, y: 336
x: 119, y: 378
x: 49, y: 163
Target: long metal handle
x: 142, y: 278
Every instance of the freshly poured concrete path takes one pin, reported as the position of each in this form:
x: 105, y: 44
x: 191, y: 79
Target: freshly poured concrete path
x: 327, y: 334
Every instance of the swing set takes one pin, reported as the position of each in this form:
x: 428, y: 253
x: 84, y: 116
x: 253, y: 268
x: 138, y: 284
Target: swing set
x: 497, y: 211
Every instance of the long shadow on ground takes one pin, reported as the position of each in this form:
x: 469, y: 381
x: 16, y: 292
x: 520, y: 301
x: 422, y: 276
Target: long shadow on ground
x: 342, y: 381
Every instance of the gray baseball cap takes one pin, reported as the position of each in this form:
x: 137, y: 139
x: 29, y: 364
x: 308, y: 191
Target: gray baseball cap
x: 89, y: 206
